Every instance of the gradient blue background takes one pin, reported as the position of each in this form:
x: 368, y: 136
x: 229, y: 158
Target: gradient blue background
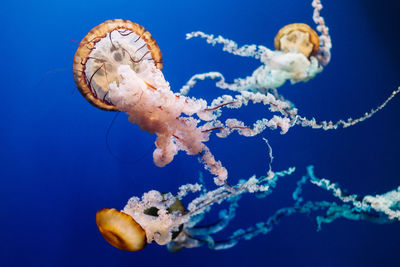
x: 56, y: 171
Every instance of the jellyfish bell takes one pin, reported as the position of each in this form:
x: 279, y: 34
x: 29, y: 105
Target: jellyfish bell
x: 159, y: 221
x: 106, y: 47
x: 120, y: 230
x: 297, y: 37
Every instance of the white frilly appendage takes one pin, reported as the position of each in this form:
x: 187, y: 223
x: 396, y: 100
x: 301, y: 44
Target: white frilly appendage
x: 148, y: 100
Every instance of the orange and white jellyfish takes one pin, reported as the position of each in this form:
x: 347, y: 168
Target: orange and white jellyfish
x: 299, y: 56
x: 117, y: 67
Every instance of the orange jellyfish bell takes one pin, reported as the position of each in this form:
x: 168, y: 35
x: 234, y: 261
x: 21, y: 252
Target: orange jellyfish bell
x: 120, y: 230
x: 297, y: 37
x: 111, y: 44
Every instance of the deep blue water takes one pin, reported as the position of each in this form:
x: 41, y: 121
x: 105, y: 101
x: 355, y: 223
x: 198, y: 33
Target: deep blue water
x: 56, y: 170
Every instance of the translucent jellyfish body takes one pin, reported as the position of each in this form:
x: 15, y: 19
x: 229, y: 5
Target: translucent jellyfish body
x: 117, y: 67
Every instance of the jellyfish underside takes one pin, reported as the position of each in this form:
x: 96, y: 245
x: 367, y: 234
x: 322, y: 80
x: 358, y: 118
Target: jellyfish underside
x: 106, y: 47
x: 110, y: 53
x: 297, y: 40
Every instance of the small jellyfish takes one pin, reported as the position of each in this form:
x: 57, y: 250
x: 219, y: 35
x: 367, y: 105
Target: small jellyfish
x: 296, y: 58
x: 159, y: 220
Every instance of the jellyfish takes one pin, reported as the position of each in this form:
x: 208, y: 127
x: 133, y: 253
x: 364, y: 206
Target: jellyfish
x: 178, y: 228
x: 117, y: 67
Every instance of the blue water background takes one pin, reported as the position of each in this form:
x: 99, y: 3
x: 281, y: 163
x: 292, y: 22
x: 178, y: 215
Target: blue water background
x: 56, y: 171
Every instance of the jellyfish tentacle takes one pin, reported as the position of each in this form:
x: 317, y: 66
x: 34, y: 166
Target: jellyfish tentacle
x: 343, y: 123
x: 231, y: 46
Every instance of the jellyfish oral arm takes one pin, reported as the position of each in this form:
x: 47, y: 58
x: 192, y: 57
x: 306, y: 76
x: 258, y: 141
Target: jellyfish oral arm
x: 160, y: 111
